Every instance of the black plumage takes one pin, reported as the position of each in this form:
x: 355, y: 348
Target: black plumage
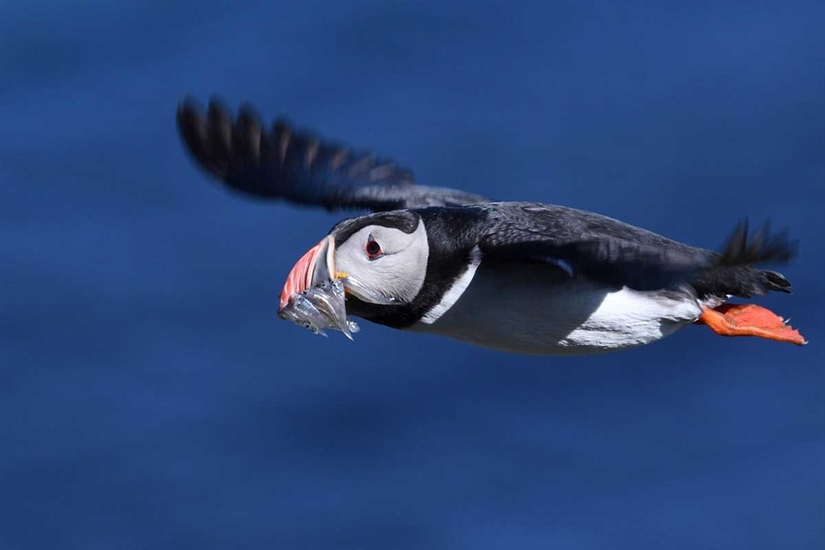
x: 287, y: 164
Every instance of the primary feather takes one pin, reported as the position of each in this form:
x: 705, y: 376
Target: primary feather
x: 284, y: 163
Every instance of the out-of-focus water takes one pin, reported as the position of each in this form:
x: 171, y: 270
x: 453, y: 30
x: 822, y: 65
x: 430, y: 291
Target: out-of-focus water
x: 151, y: 398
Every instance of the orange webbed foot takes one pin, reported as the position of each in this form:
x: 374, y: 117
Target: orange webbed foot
x: 749, y: 320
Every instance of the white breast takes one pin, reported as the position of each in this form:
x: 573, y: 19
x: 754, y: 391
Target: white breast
x: 540, y: 310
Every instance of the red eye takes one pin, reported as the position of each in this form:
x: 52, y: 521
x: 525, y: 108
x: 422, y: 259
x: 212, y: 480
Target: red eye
x: 373, y: 249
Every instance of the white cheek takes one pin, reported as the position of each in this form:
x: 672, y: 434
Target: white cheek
x: 347, y: 261
x: 398, y: 275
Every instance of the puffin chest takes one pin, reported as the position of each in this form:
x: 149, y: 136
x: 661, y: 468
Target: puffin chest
x: 537, y: 309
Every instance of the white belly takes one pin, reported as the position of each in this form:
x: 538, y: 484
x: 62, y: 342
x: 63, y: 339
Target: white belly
x: 541, y: 311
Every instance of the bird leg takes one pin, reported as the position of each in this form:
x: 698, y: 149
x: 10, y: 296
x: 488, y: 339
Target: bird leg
x: 749, y: 320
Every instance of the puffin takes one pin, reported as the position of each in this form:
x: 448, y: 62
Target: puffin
x: 519, y: 277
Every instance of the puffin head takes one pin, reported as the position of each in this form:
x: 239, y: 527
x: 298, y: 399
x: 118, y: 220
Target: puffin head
x: 381, y: 259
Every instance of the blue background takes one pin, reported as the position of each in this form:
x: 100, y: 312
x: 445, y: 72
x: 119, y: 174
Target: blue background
x: 151, y: 398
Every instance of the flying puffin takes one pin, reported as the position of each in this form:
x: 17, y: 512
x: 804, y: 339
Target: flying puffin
x: 515, y: 276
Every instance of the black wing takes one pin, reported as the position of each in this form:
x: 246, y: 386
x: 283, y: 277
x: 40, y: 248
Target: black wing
x: 287, y: 164
x: 618, y: 254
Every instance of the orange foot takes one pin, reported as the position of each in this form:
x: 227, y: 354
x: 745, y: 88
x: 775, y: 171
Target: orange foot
x: 749, y: 320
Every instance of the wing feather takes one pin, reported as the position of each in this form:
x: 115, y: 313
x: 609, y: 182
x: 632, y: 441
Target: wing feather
x: 287, y: 164
x: 619, y: 254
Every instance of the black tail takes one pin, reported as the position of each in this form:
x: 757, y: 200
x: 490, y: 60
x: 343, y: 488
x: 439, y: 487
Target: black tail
x: 734, y: 274
x: 760, y: 247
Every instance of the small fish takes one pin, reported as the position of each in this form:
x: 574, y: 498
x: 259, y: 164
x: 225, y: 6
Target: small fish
x: 320, y: 307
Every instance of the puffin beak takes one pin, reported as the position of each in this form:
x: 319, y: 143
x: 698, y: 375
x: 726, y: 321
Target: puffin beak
x: 314, y: 267
x: 317, y: 266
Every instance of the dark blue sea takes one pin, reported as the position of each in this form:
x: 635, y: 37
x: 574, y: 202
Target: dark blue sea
x: 151, y: 398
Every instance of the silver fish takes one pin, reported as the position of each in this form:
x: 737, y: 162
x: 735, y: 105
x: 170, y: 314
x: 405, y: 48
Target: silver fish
x: 320, y: 307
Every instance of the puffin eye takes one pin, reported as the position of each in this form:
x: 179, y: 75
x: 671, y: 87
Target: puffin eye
x: 373, y: 249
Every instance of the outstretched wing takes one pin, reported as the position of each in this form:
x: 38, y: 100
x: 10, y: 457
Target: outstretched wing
x: 283, y: 163
x: 618, y: 254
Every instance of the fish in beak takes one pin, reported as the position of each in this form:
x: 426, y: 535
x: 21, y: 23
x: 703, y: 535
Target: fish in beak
x: 313, y: 296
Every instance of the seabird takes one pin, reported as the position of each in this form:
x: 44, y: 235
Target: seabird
x: 515, y: 276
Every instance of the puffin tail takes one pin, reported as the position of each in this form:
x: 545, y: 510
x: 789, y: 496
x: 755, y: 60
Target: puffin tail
x: 733, y: 272
x: 734, y: 276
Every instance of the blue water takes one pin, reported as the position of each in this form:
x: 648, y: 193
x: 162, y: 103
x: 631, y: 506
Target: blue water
x: 151, y: 398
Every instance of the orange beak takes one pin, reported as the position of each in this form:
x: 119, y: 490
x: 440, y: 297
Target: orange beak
x: 314, y: 267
